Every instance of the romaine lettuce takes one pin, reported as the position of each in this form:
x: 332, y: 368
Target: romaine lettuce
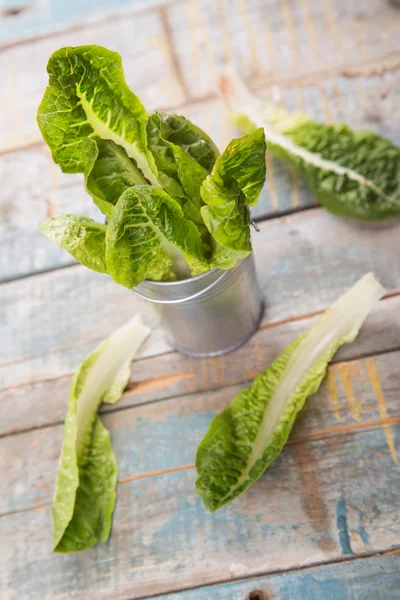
x: 86, y: 482
x: 199, y: 217
x: 247, y: 436
x: 80, y: 236
x: 87, y: 97
x: 148, y: 237
x: 352, y: 173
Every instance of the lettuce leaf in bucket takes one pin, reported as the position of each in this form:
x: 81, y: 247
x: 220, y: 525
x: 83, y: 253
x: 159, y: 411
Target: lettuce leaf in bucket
x: 352, y: 173
x: 94, y: 124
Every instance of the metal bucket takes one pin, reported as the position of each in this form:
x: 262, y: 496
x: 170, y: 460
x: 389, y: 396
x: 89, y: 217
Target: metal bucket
x: 211, y: 314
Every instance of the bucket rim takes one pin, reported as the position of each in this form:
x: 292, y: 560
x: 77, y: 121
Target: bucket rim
x: 179, y: 281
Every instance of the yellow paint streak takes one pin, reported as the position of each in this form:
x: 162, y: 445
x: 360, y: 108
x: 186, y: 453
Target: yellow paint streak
x: 271, y: 182
x: 312, y: 34
x: 156, y: 473
x: 354, y: 404
x: 221, y: 13
x: 336, y: 99
x: 330, y: 20
x: 332, y: 391
x: 380, y: 398
x: 159, y: 383
x: 342, y: 429
x: 327, y: 109
x: 294, y: 178
x: 250, y: 34
x: 291, y: 30
x: 270, y: 45
x: 194, y: 54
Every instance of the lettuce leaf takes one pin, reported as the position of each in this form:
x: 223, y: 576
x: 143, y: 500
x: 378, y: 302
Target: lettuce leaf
x: 87, y: 97
x: 82, y: 237
x: 233, y: 185
x: 352, y: 173
x: 148, y: 237
x: 108, y: 173
x: 247, y: 436
x: 85, y: 493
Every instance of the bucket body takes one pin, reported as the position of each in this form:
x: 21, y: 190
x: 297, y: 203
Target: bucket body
x: 211, y: 314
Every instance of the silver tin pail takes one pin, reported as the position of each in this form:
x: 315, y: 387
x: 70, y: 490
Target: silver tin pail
x: 211, y: 314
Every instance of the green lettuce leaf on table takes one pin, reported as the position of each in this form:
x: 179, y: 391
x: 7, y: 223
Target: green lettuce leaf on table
x: 352, y: 173
x: 82, y: 237
x: 85, y: 490
x: 247, y: 436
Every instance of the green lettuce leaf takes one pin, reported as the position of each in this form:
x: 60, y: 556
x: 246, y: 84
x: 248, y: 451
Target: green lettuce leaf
x: 85, y: 490
x: 87, y: 97
x: 233, y: 185
x: 352, y: 173
x: 108, y: 173
x: 247, y: 436
x: 148, y: 237
x: 80, y: 236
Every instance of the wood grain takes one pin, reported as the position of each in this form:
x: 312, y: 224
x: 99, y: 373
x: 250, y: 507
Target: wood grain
x: 333, y: 494
x: 319, y: 501
x: 41, y: 403
x: 341, y: 581
x: 156, y: 437
x: 305, y: 261
x: 34, y: 187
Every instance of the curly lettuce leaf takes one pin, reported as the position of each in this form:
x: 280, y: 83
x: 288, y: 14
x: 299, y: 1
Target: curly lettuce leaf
x: 87, y: 97
x: 352, y: 173
x: 148, y: 237
x: 82, y: 237
x: 233, y: 185
x: 247, y: 436
x: 108, y: 173
x: 85, y: 490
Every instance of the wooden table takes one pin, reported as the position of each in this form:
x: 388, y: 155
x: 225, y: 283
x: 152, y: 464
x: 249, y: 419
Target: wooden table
x: 324, y: 521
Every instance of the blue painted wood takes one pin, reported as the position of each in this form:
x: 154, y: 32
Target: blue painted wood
x: 28, y: 18
x: 156, y: 437
x: 164, y: 540
x: 376, y: 578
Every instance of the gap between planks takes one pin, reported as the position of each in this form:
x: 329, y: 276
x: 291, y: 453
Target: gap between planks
x: 263, y: 326
x: 87, y: 22
x: 316, y: 436
x: 369, y: 68
x: 214, y: 584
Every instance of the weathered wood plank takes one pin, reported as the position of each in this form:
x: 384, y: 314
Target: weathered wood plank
x: 185, y: 67
x: 319, y: 501
x: 279, y: 38
x: 20, y: 21
x: 376, y: 577
x: 305, y: 260
x: 254, y: 31
x: 141, y: 39
x: 42, y: 403
x: 165, y: 435
x: 34, y: 188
